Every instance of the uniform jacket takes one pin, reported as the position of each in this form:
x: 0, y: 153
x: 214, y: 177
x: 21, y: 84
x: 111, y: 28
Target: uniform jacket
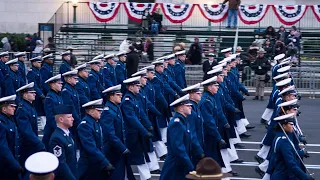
x: 34, y: 75
x: 95, y: 85
x: 92, y: 159
x: 178, y: 161
x: 63, y: 147
x: 22, y: 72
x: 121, y: 72
x: 180, y: 74
x: 135, y: 130
x: 52, y: 100
x: 83, y: 90
x: 64, y: 67
x: 46, y: 72
x: 11, y: 83
x: 9, y: 152
x: 3, y: 70
x: 109, y: 76
x: 27, y: 123
x: 196, y: 122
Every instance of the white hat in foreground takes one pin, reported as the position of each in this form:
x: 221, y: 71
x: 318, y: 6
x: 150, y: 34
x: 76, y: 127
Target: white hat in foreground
x: 184, y: 100
x: 42, y: 163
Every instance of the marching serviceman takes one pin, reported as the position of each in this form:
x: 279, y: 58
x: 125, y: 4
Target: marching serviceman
x: 208, y: 65
x: 109, y: 72
x: 92, y: 163
x: 4, y: 56
x: 82, y: 86
x: 66, y: 64
x: 95, y: 80
x: 12, y: 81
x: 22, y: 67
x: 9, y: 137
x: 226, y: 52
x: 113, y: 130
x: 27, y: 123
x: 179, y: 69
x: 34, y: 75
x: 135, y: 131
x: 62, y: 144
x: 52, y: 100
x: 178, y: 161
x: 70, y: 97
x: 215, y: 145
x: 46, y: 71
x: 121, y: 71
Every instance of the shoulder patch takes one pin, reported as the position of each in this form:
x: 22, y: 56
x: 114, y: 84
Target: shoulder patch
x: 90, y: 74
x: 283, y: 137
x: 57, y: 151
x: 177, y: 63
x: 83, y: 122
x: 118, y: 64
x: 29, y: 69
x: 107, y: 108
x: 64, y: 89
x: 176, y: 120
x: 127, y: 99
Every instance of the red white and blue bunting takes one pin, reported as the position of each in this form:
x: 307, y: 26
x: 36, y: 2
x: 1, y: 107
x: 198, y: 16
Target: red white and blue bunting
x: 104, y: 12
x: 289, y: 15
x: 252, y: 14
x: 177, y: 13
x: 136, y: 10
x: 214, y: 13
x: 316, y: 11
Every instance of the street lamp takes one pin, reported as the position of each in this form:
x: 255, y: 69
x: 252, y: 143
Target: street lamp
x: 75, y: 5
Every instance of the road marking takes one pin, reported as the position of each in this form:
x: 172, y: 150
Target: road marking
x: 249, y: 142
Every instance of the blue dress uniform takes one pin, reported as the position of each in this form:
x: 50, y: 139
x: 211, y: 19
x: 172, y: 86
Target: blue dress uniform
x: 109, y: 76
x: 3, y: 66
x: 180, y: 74
x: 114, y: 143
x: 22, y: 72
x: 63, y: 147
x: 92, y: 160
x: 46, y: 72
x: 95, y: 85
x: 34, y: 75
x: 12, y: 80
x: 121, y: 72
x: 64, y: 67
x: 9, y: 146
x: 83, y: 90
x: 212, y: 137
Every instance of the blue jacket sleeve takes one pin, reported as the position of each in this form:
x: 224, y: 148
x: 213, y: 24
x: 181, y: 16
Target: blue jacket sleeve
x: 63, y: 168
x: 178, y: 148
x: 63, y: 69
x: 89, y: 146
x: 132, y: 119
x: 208, y: 121
x: 6, y: 156
x: 94, y: 88
x: 8, y: 87
x: 174, y: 85
x: 108, y: 130
x: 144, y: 119
x: 32, y: 78
x: 48, y: 106
x: 82, y: 95
x: 67, y: 99
x: 120, y: 74
x: 195, y: 145
x: 178, y: 76
x: 158, y: 94
x: 152, y: 108
x: 26, y: 130
x: 107, y: 78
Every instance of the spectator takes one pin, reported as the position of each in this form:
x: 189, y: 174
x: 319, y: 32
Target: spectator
x: 279, y: 48
x: 145, y: 21
x: 208, y: 64
x: 293, y: 39
x: 138, y: 45
x: 270, y: 33
x: 261, y: 67
x: 252, y: 52
x: 148, y: 48
x: 269, y: 48
x: 6, y: 44
x: 281, y: 34
x: 195, y: 52
x: 34, y: 40
x: 13, y: 46
x: 124, y: 46
x: 243, y: 58
x: 157, y: 16
x: 132, y: 61
x: 73, y: 59
x: 233, y: 12
x: 51, y: 44
x: 296, y: 32
x: 38, y: 50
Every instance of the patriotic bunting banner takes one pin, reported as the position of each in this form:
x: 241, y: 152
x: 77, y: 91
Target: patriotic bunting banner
x: 289, y: 15
x: 214, y: 13
x: 104, y: 12
x: 252, y: 14
x: 136, y: 10
x: 177, y: 13
x: 316, y: 11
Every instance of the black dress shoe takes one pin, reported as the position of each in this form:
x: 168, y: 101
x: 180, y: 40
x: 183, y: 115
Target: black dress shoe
x: 158, y: 171
x: 263, y: 121
x: 239, y: 146
x: 258, y: 170
x: 162, y: 158
x: 233, y: 173
x: 258, y: 159
x: 237, y: 161
x: 250, y: 126
x: 245, y: 135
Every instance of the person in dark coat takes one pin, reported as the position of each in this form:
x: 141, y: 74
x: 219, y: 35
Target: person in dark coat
x: 9, y: 138
x: 62, y: 144
x: 148, y: 48
x: 281, y: 34
x: 73, y: 59
x: 95, y: 80
x: 270, y: 33
x: 233, y: 12
x: 22, y: 67
x: 82, y: 86
x: 66, y: 64
x: 114, y: 145
x: 181, y: 143
x: 132, y: 61
x: 52, y: 100
x: 12, y: 81
x: 109, y: 72
x: 46, y: 72
x: 208, y: 64
x: 136, y: 132
x: 279, y: 48
x: 92, y: 163
x: 195, y: 52
x: 27, y: 123
x: 269, y: 48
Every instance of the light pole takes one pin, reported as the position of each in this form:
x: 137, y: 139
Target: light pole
x: 75, y: 5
